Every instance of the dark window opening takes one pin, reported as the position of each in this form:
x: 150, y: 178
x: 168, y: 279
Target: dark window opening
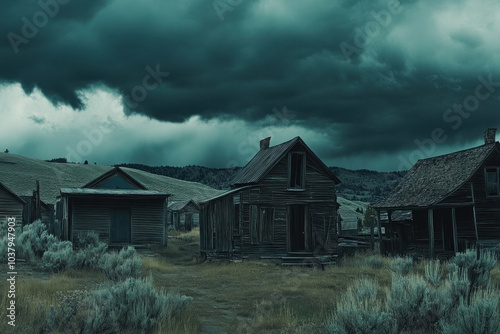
x: 492, y: 182
x: 296, y: 171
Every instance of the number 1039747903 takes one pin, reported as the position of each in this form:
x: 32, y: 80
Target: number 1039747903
x: 11, y: 237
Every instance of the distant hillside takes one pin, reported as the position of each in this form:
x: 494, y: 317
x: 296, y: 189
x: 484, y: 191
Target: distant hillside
x: 358, y: 185
x: 20, y: 173
x: 366, y: 185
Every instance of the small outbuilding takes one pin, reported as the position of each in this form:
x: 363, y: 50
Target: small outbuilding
x: 183, y: 215
x: 11, y: 205
x: 116, y: 206
x: 454, y: 201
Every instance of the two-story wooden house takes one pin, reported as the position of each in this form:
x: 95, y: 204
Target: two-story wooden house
x: 283, y: 202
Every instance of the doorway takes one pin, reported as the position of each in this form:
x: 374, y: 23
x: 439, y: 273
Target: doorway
x: 120, y: 228
x: 298, y: 228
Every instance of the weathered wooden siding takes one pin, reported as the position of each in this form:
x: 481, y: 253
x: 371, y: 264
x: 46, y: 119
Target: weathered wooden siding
x: 10, y: 206
x: 218, y: 228
x: 147, y: 218
x: 487, y: 208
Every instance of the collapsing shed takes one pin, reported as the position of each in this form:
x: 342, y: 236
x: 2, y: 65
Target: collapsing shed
x: 183, y: 215
x: 454, y: 200
x: 11, y: 205
x: 124, y: 213
x: 283, y: 202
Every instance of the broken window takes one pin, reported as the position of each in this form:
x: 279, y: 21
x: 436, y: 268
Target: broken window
x: 296, y: 170
x: 492, y: 182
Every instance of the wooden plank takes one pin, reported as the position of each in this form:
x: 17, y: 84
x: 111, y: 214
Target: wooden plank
x: 454, y: 224
x: 474, y: 209
x: 430, y: 217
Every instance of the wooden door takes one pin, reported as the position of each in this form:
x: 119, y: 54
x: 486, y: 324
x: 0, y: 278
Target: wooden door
x: 120, y: 229
x: 298, y: 231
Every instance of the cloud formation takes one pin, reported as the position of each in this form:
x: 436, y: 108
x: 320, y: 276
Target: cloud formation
x: 369, y: 78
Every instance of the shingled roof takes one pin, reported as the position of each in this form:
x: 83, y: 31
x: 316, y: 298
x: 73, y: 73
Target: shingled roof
x: 432, y: 180
x: 267, y: 158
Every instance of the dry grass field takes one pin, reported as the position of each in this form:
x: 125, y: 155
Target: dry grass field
x: 228, y: 297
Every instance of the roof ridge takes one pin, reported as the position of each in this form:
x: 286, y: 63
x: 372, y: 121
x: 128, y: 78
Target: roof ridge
x: 457, y: 152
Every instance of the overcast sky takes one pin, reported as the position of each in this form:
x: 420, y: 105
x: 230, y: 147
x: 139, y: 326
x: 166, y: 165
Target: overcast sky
x: 367, y: 84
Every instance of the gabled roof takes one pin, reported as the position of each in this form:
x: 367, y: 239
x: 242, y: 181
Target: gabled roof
x: 177, y: 206
x: 112, y: 192
x: 16, y: 197
x: 109, y: 174
x: 432, y: 180
x: 267, y: 158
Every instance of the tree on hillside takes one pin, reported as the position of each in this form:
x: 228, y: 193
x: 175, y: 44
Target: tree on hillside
x: 6, y: 150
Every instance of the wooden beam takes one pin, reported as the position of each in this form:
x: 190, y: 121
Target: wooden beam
x: 379, y: 225
x: 474, y: 210
x: 454, y: 223
x: 372, y: 234
x: 391, y: 229
x: 430, y: 219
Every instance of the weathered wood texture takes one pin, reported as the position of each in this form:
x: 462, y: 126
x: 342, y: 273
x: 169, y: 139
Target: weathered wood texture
x: 147, y: 218
x: 10, y: 206
x: 221, y: 231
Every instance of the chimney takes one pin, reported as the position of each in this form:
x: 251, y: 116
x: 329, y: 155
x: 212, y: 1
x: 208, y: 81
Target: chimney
x: 264, y: 143
x: 489, y: 136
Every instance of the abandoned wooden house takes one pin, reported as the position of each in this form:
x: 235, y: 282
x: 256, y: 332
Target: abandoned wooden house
x: 454, y: 200
x: 116, y: 206
x: 183, y: 215
x: 283, y: 203
x: 11, y: 205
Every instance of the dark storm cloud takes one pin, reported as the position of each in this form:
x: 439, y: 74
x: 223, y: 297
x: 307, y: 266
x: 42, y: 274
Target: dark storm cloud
x: 379, y: 95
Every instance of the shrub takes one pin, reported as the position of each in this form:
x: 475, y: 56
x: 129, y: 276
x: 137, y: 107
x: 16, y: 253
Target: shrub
x: 58, y: 256
x: 122, y: 265
x: 477, y: 266
x: 414, y: 305
x: 68, y: 316
x: 480, y: 317
x: 401, y: 265
x: 33, y: 241
x: 130, y: 304
x: 360, y: 312
x: 91, y: 251
x: 433, y: 272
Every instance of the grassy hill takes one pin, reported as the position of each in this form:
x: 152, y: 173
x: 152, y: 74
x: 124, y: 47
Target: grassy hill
x: 20, y: 173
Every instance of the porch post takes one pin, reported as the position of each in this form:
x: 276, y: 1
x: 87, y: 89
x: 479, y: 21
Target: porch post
x: 431, y: 232
x: 454, y: 222
x: 391, y: 229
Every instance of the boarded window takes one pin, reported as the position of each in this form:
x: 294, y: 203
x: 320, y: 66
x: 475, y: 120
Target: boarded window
x: 492, y: 182
x: 261, y: 224
x: 266, y: 228
x: 254, y: 222
x: 296, y: 172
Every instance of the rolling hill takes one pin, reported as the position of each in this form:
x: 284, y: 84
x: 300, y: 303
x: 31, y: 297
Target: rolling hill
x: 20, y: 174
